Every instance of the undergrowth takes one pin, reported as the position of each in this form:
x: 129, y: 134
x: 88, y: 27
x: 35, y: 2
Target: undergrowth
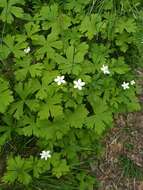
x: 66, y: 68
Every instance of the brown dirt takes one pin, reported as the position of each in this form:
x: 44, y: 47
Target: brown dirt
x: 125, y: 140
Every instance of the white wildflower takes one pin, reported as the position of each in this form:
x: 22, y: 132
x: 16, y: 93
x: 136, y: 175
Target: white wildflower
x: 60, y: 80
x: 79, y: 84
x: 125, y: 85
x: 132, y: 82
x: 105, y: 69
x: 27, y: 50
x: 45, y: 154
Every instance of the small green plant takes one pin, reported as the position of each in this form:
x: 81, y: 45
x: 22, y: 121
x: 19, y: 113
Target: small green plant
x: 130, y: 169
x: 129, y: 146
x: 65, y: 70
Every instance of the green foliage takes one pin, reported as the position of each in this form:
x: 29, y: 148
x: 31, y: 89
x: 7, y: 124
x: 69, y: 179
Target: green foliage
x: 14, y: 45
x: 130, y: 169
x: 18, y: 169
x: 75, y: 39
x: 5, y: 95
x: 10, y: 9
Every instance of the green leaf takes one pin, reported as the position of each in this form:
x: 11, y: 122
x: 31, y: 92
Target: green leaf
x: 90, y: 25
x: 17, y: 109
x: 26, y: 89
x: 125, y: 23
x: 5, y: 136
x: 76, y: 119
x: 31, y: 29
x: 99, y: 54
x: 15, y: 45
x: 18, y: 168
x: 74, y: 58
x: 24, y: 92
x: 123, y: 40
x: 10, y: 10
x: 119, y: 66
x: 5, y: 95
x: 102, y: 117
x: 49, y: 12
x: 48, y: 46
x: 24, y: 67
x: 39, y: 166
x: 77, y: 6
x: 17, y: 11
x: 52, y: 107
x: 60, y: 168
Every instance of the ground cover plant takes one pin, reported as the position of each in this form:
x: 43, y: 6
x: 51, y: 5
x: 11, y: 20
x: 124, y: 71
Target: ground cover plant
x: 66, y: 69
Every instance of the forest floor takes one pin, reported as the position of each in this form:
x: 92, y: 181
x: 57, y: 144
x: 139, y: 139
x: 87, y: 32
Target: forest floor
x: 121, y: 167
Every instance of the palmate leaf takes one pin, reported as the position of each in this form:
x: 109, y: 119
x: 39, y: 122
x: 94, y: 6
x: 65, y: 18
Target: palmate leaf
x: 18, y: 168
x: 17, y: 109
x: 119, y: 66
x: 48, y: 46
x: 26, y: 89
x: 60, y: 168
x: 74, y: 59
x: 13, y: 44
x: 49, y: 13
x: 24, y: 92
x: 99, y: 122
x: 91, y: 25
x: 6, y: 129
x: 123, y: 40
x: 76, y: 119
x: 30, y: 129
x: 125, y: 23
x: 47, y: 109
x: 11, y: 10
x: 38, y: 166
x: 77, y: 6
x: 24, y: 67
x: 53, y: 19
x: 43, y: 128
x: 99, y: 54
x: 5, y: 95
x: 31, y: 29
x: 48, y: 77
x: 130, y: 100
x: 5, y: 134
x: 52, y: 107
x: 102, y: 117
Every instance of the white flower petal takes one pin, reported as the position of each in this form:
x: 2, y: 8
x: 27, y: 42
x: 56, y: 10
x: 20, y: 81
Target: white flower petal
x: 82, y: 83
x: 125, y: 85
x: 62, y: 77
x: 79, y: 84
x: 27, y: 50
x: 132, y: 82
x: 105, y: 69
x: 45, y: 154
x: 60, y: 80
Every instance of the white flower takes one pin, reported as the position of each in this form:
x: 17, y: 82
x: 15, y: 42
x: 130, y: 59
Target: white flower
x: 45, y: 154
x: 27, y: 50
x: 79, y: 84
x: 125, y: 85
x: 132, y: 82
x: 60, y: 80
x: 105, y: 69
